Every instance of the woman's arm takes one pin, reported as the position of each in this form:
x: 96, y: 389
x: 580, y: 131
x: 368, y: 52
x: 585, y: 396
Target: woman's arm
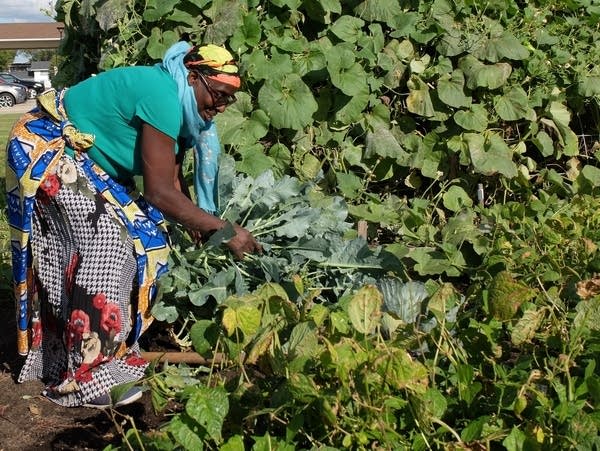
x: 162, y: 189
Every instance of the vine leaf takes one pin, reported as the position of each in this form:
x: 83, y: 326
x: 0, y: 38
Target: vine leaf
x: 289, y: 102
x: 208, y: 406
x: 475, y: 118
x: 514, y: 105
x: 364, y: 309
x: 506, y: 296
x: 505, y: 45
x: 451, y: 90
x: 490, y: 154
x: 418, y: 101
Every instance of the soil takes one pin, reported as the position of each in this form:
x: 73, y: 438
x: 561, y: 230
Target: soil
x: 29, y: 421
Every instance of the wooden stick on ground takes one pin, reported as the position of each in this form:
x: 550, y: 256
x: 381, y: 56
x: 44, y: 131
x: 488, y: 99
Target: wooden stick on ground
x: 181, y: 357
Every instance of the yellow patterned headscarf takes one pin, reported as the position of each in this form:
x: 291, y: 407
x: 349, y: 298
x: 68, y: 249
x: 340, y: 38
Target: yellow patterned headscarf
x: 215, y: 61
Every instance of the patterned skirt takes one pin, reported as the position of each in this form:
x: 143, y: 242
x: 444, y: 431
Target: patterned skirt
x: 86, y: 257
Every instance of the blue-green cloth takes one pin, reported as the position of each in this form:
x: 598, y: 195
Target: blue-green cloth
x: 114, y: 104
x: 199, y: 134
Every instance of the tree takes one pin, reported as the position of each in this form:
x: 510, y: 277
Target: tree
x: 6, y: 57
x: 43, y: 55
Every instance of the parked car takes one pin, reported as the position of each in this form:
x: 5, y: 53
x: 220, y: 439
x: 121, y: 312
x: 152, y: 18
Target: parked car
x: 33, y: 87
x: 11, y: 94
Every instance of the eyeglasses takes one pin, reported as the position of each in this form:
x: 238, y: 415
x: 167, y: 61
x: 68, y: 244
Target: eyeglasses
x: 218, y: 98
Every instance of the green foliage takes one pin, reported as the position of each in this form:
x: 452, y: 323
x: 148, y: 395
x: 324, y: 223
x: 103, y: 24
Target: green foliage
x: 379, y: 97
x: 6, y: 58
x: 457, y: 131
x: 302, y: 233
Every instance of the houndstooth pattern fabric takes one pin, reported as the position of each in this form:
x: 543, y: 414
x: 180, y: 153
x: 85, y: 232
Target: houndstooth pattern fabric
x: 69, y: 224
x: 86, y: 258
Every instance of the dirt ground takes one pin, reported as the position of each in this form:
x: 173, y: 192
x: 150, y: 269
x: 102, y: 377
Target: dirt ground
x: 30, y: 422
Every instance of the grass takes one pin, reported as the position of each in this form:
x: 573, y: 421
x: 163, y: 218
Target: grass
x: 6, y: 123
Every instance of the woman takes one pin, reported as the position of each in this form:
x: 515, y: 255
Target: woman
x: 87, y: 251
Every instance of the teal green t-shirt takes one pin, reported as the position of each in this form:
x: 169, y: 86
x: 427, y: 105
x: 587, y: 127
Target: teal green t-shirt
x: 114, y: 104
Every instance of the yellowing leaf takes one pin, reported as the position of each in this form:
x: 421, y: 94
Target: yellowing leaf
x: 400, y: 371
x: 261, y: 347
x: 506, y: 295
x: 244, y: 317
x: 418, y: 100
x: 526, y: 327
x: 364, y: 309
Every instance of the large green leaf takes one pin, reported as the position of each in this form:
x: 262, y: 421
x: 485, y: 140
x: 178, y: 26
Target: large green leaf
x: 386, y: 11
x: 237, y: 129
x: 451, y: 43
x: 490, y: 154
x: 451, y: 90
x: 480, y: 75
x: 159, y: 42
x: 226, y: 16
x: 186, y: 433
x: 257, y: 65
x: 209, y: 406
x: 589, y: 86
x: 302, y: 344
x: 544, y: 143
x: 311, y: 60
x: 349, y: 184
x: 253, y: 160
x: 561, y: 118
x: 382, y: 142
x: 248, y: 34
x: 430, y: 261
x: 183, y: 17
x: 288, y: 101
x: 514, y: 105
x: 204, y: 334
x: 243, y: 315
x: 505, y: 45
x: 291, y: 4
x: 157, y: 9
x: 350, y: 109
x: 473, y: 119
x: 321, y: 10
x: 588, y: 179
x: 109, y: 13
x: 348, y: 28
x: 346, y: 73
x: 456, y: 199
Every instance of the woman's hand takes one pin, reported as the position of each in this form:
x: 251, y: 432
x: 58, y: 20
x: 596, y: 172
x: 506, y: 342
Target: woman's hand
x: 243, y: 243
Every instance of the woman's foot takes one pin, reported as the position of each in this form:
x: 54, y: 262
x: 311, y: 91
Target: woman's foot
x: 104, y: 401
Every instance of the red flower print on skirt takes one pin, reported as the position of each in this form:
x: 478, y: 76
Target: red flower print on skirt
x: 83, y: 373
x: 110, y: 322
x: 51, y: 185
x: 135, y: 360
x: 99, y: 301
x: 78, y: 325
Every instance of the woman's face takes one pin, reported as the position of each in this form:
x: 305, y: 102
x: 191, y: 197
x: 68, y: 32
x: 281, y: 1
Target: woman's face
x: 212, y: 96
